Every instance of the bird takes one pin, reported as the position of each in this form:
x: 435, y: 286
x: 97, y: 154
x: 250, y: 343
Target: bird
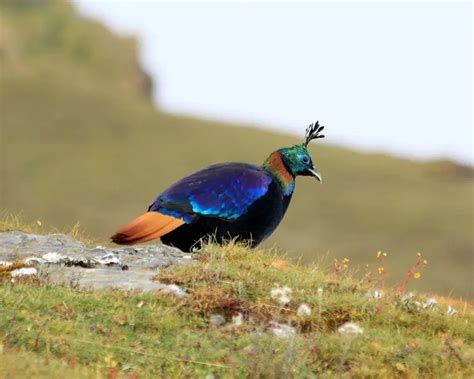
x: 225, y: 201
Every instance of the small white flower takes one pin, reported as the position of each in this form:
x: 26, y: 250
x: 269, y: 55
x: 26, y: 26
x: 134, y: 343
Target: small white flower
x: 281, y: 294
x: 431, y: 303
x: 24, y: 271
x: 280, y: 291
x: 451, y: 311
x: 377, y: 294
x: 320, y: 291
x: 303, y: 310
x: 282, y: 330
x: 238, y: 319
x: 284, y: 300
x: 216, y: 320
x: 350, y: 328
x: 140, y: 304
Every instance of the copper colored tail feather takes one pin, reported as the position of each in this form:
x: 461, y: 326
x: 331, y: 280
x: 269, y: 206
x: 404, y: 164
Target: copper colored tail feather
x: 148, y: 226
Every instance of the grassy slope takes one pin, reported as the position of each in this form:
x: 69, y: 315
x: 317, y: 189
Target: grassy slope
x: 81, y: 144
x: 111, y: 333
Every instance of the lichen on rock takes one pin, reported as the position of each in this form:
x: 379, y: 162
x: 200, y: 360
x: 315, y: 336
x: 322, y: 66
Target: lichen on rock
x: 64, y: 259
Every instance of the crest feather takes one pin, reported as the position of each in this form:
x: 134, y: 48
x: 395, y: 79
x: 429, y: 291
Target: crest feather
x: 312, y: 132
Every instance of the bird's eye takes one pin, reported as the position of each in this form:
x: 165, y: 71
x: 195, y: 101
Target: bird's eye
x: 305, y: 159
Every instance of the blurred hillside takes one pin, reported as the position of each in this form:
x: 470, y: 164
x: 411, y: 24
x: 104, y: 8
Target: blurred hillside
x: 82, y: 142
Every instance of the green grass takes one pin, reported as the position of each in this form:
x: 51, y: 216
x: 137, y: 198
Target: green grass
x: 82, y: 143
x: 9, y: 222
x: 110, y: 333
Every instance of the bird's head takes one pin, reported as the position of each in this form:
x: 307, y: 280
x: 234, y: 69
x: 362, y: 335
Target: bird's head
x: 297, y: 158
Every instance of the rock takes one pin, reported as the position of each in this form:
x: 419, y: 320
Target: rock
x: 52, y: 257
x: 110, y: 259
x: 24, y: 271
x: 33, y: 261
x: 67, y: 261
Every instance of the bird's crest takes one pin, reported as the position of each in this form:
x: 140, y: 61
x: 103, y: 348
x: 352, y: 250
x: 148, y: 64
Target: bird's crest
x: 312, y: 132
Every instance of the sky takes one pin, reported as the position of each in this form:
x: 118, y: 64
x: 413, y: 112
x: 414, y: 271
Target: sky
x: 394, y: 77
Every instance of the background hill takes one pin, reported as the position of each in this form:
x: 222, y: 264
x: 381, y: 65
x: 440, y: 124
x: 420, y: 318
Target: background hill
x: 81, y: 141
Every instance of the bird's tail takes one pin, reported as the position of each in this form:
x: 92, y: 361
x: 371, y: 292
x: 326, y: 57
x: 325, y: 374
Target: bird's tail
x: 148, y: 226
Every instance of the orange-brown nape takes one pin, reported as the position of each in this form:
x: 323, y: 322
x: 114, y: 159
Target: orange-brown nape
x: 148, y: 226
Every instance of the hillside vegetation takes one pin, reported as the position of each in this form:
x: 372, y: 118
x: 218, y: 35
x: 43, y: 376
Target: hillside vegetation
x: 293, y: 322
x: 82, y: 142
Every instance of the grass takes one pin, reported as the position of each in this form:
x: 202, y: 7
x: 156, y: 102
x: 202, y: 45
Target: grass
x: 116, y: 333
x: 17, y: 222
x: 22, y: 364
x: 82, y: 142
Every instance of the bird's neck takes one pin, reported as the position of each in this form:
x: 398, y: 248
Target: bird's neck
x: 276, y: 167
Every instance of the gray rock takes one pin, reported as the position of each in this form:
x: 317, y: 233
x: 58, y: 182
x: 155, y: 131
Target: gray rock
x: 66, y: 261
x: 24, y: 271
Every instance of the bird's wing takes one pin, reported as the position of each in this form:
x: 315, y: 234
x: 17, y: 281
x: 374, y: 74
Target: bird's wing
x: 224, y: 191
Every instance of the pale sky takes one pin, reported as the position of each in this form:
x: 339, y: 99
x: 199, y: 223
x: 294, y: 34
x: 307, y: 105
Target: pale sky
x: 384, y: 76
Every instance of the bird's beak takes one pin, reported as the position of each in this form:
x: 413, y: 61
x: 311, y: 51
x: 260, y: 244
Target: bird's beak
x: 316, y: 174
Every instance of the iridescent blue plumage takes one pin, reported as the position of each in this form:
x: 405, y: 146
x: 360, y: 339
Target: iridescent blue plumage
x: 224, y: 191
x: 226, y: 201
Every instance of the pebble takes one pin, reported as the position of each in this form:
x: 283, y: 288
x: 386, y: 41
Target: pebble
x: 24, y: 271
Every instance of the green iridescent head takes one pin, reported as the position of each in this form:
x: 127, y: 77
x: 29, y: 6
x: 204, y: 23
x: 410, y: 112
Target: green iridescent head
x: 297, y: 158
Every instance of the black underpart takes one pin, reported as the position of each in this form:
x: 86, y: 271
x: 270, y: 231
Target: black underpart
x: 260, y: 220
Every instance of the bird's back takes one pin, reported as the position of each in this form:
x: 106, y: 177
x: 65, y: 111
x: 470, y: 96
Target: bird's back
x: 254, y: 225
x: 223, y: 191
